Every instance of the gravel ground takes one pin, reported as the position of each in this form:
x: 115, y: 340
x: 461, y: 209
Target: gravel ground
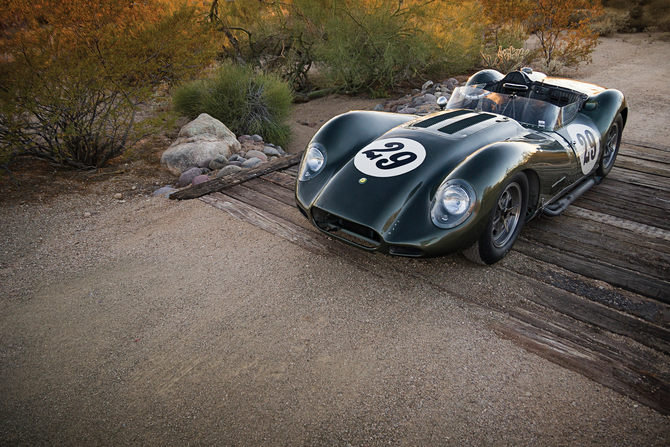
x: 154, y: 322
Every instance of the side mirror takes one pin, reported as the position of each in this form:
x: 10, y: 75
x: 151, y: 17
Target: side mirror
x: 442, y: 102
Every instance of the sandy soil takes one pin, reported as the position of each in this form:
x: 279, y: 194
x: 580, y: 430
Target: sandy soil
x: 160, y: 323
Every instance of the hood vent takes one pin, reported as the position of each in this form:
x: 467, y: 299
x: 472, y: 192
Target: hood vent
x: 441, y: 117
x: 465, y: 123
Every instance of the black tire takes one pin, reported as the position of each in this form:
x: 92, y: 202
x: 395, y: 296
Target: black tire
x: 504, y: 225
x: 611, y: 147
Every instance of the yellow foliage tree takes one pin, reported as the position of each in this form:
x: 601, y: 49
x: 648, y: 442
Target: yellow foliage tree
x: 73, y: 73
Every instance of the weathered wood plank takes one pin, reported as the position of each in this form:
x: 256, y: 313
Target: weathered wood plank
x: 640, y: 165
x: 640, y: 178
x: 593, y: 290
x: 629, y: 194
x: 595, y: 268
x: 279, y: 193
x: 267, y: 222
x: 650, y: 217
x: 636, y: 227
x: 598, y: 315
x: 192, y: 192
x: 609, y: 236
x: 597, y: 241
x: 633, y: 382
x: 281, y: 178
x: 267, y: 204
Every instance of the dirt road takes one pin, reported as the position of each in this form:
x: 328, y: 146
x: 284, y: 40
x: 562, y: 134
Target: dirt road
x: 152, y: 322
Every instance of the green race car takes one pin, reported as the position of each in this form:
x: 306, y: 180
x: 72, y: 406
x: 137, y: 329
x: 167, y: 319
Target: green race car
x: 504, y: 150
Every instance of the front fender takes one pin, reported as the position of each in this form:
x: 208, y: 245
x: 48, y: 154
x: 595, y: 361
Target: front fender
x: 342, y: 137
x: 487, y: 170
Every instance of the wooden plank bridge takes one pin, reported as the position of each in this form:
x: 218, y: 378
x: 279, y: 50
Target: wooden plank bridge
x: 599, y: 274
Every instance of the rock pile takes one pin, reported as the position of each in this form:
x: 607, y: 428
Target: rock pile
x: 206, y: 148
x: 420, y: 102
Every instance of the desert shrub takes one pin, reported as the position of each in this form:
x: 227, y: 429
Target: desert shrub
x: 359, y: 46
x: 561, y: 26
x: 506, y: 60
x: 610, y: 22
x: 72, y: 83
x: 245, y: 101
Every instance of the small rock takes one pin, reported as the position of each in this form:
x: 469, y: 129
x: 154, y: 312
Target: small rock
x: 378, y: 108
x: 256, y: 138
x: 205, y: 163
x: 230, y: 169
x: 243, y: 138
x: 415, y: 91
x: 252, y: 162
x: 234, y: 157
x: 408, y: 110
x: 256, y: 154
x: 429, y: 98
x: 164, y: 191
x: 87, y: 214
x: 242, y: 154
x: 218, y: 162
x: 427, y: 85
x: 236, y: 162
x: 271, y: 151
x: 134, y: 188
x: 200, y: 179
x: 118, y: 196
x: 280, y: 150
x: 187, y: 177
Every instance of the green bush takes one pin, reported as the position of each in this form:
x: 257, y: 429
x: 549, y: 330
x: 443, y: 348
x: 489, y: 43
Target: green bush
x: 245, y: 101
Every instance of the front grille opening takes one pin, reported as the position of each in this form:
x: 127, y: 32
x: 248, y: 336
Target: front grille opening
x: 345, y: 229
x: 405, y: 251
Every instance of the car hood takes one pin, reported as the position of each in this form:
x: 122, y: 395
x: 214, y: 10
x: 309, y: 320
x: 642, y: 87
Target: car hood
x: 374, y: 189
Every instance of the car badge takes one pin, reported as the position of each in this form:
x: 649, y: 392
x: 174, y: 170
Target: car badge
x: 362, y: 180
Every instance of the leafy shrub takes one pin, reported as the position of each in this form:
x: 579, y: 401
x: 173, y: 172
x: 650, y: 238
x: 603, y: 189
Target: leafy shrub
x: 245, y: 101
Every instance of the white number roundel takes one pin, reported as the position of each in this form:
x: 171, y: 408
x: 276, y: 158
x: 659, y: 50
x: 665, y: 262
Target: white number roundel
x: 390, y: 157
x: 586, y: 141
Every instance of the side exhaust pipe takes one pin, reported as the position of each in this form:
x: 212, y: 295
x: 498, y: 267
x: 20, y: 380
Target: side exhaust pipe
x: 557, y: 208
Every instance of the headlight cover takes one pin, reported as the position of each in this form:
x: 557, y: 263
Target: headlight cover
x: 453, y: 203
x: 313, y: 163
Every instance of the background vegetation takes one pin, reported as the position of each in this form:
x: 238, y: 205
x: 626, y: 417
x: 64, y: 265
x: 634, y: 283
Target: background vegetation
x: 75, y: 75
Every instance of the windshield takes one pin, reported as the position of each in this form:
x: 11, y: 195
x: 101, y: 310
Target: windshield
x: 531, y: 112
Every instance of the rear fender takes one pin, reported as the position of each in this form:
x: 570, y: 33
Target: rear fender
x: 603, y: 108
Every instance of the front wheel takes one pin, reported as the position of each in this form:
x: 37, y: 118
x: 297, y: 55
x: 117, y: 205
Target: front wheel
x: 504, y: 224
x: 611, y: 149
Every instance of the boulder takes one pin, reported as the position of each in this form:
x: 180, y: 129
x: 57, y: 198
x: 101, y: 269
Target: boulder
x: 202, y: 138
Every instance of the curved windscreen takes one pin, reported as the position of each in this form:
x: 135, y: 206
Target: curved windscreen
x: 532, y: 112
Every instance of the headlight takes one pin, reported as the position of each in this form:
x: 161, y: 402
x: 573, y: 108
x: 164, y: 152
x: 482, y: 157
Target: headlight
x: 313, y: 163
x: 453, y: 203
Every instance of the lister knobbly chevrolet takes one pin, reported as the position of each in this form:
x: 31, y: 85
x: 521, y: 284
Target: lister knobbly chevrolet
x: 505, y: 149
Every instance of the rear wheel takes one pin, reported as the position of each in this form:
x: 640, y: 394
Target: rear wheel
x: 611, y: 149
x: 504, y: 224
